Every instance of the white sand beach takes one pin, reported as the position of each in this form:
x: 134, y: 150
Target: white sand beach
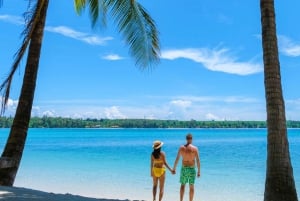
x: 23, y: 194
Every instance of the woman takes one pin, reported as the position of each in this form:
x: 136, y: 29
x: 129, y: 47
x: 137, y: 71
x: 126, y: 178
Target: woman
x: 157, y: 169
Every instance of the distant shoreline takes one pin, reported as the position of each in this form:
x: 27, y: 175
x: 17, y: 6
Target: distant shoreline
x: 61, y: 122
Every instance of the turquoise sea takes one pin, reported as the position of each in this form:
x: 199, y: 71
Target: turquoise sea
x: 114, y: 163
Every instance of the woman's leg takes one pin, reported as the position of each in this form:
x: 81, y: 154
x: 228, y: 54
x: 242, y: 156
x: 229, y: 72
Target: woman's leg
x: 161, y: 186
x: 155, y: 180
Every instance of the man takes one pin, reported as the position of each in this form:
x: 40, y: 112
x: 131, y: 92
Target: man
x: 190, y: 156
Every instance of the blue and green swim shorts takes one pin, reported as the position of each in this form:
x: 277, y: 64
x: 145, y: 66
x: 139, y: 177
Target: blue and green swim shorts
x: 187, y: 175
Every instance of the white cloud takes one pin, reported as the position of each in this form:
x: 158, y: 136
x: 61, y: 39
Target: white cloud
x: 180, y: 108
x: 112, y: 57
x: 214, y: 60
x: 220, y: 99
x: 181, y: 103
x: 150, y: 116
x: 35, y: 111
x: 288, y: 47
x: 215, y: 108
x: 292, y: 109
x: 84, y: 37
x: 114, y: 113
x: 63, y: 30
x: 12, y: 19
x: 200, y: 98
x: 239, y: 99
x: 210, y: 116
x: 11, y: 106
x: 49, y: 113
x: 12, y: 103
x: 293, y: 101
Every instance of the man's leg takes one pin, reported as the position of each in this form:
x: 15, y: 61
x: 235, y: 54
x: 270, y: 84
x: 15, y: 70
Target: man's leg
x: 182, y: 187
x: 183, y: 181
x: 191, y: 192
x: 161, y: 186
x: 192, y: 177
x: 155, y: 180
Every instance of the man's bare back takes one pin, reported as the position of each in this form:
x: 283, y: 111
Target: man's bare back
x: 189, y: 154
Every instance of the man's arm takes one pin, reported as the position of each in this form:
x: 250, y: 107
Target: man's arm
x: 198, y: 162
x: 176, y: 160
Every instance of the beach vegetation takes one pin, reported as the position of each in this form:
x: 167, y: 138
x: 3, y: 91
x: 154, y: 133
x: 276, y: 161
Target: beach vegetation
x: 61, y: 122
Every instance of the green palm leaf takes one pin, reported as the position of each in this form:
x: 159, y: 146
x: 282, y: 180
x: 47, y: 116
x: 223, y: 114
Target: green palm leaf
x: 133, y: 22
x: 97, y: 10
x: 138, y: 30
x: 79, y: 5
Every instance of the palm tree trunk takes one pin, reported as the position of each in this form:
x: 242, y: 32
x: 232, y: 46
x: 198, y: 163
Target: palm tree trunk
x: 280, y: 184
x: 13, y: 150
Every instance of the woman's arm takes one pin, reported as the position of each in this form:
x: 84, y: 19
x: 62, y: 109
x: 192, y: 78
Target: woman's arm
x: 166, y: 164
x: 151, y: 165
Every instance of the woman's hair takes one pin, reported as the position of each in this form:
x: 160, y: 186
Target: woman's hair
x: 156, y: 153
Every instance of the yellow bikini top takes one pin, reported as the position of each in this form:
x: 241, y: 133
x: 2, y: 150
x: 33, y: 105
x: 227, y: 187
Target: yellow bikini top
x: 157, y: 161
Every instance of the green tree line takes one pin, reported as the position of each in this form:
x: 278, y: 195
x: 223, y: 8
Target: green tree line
x: 60, y: 122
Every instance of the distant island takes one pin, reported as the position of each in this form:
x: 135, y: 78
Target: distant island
x: 60, y: 122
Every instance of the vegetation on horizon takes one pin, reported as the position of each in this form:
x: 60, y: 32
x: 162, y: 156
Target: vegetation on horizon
x: 60, y: 122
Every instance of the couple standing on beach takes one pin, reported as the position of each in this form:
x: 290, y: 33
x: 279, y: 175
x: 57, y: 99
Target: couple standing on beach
x: 190, y: 158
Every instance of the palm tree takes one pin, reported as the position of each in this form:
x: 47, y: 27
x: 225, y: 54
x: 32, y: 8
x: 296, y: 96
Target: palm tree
x: 280, y: 184
x: 12, y: 154
x: 138, y: 29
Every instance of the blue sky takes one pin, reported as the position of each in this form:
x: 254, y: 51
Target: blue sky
x: 210, y: 68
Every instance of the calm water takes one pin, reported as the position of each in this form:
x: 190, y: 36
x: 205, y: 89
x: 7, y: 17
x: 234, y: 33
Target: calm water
x: 114, y: 163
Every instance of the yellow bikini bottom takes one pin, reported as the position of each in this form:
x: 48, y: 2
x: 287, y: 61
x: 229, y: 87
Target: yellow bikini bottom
x: 158, y: 172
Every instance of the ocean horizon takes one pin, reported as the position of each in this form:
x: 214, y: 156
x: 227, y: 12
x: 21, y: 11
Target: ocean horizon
x: 115, y: 163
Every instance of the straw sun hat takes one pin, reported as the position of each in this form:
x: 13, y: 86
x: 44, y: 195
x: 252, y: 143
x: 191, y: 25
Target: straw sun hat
x: 157, y: 144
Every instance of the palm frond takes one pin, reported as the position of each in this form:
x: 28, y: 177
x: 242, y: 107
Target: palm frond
x: 79, y: 5
x: 134, y: 23
x: 97, y: 10
x: 138, y: 30
x: 33, y: 16
x: 94, y: 11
